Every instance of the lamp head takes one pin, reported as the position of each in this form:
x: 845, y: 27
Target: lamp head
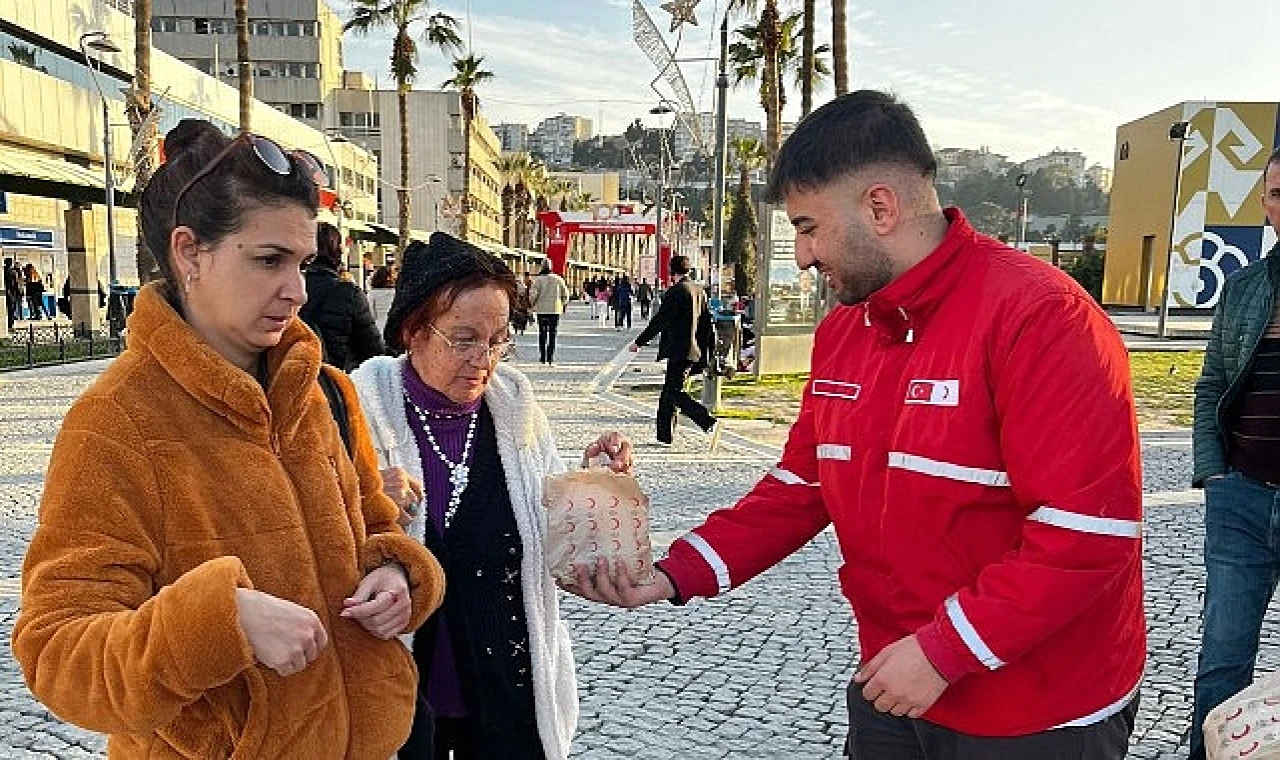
x: 100, y: 42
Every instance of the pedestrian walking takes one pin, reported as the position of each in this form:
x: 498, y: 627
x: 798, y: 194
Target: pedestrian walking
x: 496, y: 672
x: 1236, y: 454
x: 33, y: 284
x: 684, y: 323
x: 382, y: 289
x: 13, y: 292
x: 549, y: 295
x: 336, y: 308
x: 622, y: 303
x: 988, y: 503
x: 644, y: 295
x: 214, y: 573
x: 589, y: 295
x: 522, y: 312
x: 603, y: 294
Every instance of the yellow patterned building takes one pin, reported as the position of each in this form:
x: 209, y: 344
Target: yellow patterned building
x: 1212, y: 155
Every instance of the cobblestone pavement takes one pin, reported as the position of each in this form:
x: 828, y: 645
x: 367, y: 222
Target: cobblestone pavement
x: 756, y: 674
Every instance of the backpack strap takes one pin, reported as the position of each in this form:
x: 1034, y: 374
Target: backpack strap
x: 337, y: 406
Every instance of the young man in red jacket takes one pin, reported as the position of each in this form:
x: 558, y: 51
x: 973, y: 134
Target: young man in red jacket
x: 969, y: 431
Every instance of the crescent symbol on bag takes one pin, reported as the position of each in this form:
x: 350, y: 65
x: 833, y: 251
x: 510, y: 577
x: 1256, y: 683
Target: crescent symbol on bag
x: 593, y: 503
x: 1252, y: 748
x: 616, y: 523
x: 1235, y: 714
x: 617, y: 545
x: 1242, y: 734
x: 615, y: 502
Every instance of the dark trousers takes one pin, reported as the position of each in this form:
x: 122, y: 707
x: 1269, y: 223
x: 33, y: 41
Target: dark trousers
x: 12, y: 307
x: 35, y: 304
x: 675, y: 397
x: 547, y: 326
x: 1242, y: 563
x: 874, y: 735
x: 620, y: 314
x: 644, y: 309
x: 438, y: 738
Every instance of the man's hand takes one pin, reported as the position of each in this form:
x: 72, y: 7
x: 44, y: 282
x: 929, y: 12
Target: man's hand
x: 381, y: 602
x: 901, y: 680
x: 613, y: 584
x: 613, y: 445
x: 634, y: 348
x: 284, y: 636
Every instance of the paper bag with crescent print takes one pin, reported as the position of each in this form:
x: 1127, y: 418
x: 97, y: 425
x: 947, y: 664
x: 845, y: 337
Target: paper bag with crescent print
x: 1246, y: 726
x: 597, y: 513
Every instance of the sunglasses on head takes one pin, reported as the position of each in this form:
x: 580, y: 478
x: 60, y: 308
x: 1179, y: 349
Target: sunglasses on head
x: 269, y: 153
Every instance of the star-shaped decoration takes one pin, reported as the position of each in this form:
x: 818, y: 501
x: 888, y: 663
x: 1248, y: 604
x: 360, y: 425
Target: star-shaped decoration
x: 681, y: 13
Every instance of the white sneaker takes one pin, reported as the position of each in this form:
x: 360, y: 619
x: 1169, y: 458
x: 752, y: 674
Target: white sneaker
x: 714, y: 432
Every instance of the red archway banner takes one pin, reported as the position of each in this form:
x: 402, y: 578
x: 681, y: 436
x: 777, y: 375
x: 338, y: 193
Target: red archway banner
x: 562, y: 225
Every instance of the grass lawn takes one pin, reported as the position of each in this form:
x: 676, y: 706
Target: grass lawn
x: 1163, y: 384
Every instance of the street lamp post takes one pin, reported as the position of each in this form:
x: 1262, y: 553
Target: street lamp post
x: 659, y: 110
x: 1021, y: 182
x: 432, y: 180
x: 100, y: 42
x: 1178, y: 131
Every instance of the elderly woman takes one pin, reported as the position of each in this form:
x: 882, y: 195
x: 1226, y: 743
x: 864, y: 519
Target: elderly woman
x: 213, y: 575
x: 497, y: 677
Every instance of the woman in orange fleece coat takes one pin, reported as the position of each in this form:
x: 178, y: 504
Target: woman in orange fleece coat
x: 213, y: 576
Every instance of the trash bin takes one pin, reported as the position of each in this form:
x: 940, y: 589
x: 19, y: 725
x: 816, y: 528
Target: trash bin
x: 119, y: 307
x: 728, y: 344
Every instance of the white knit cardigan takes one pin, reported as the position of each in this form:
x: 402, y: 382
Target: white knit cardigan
x: 528, y: 453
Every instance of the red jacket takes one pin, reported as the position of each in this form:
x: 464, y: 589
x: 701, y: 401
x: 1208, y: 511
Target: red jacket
x: 969, y: 431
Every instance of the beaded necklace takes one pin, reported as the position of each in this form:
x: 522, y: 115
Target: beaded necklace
x: 459, y: 472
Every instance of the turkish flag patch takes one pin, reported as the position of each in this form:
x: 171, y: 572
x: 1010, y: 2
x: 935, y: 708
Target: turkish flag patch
x: 934, y: 392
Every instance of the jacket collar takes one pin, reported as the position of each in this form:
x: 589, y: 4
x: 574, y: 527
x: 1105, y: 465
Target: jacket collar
x: 293, y: 365
x: 901, y: 308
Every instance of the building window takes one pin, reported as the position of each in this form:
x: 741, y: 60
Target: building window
x: 164, y: 24
x: 1124, y: 150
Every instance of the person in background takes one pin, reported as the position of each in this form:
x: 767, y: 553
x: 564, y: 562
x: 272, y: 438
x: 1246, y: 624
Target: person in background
x: 496, y: 667
x: 603, y: 293
x: 1236, y: 452
x: 683, y: 321
x: 987, y: 502
x: 13, y: 291
x: 548, y: 295
x: 215, y: 573
x: 644, y: 295
x: 337, y: 309
x: 622, y: 303
x: 33, y: 285
x: 382, y: 289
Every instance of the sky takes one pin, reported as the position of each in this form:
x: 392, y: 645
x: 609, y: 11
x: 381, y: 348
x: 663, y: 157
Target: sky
x: 1021, y: 77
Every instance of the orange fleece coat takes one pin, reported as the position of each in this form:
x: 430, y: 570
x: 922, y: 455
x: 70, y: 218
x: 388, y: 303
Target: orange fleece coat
x: 174, y: 481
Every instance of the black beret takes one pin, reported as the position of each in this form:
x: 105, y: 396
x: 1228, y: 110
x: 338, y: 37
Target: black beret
x: 427, y: 267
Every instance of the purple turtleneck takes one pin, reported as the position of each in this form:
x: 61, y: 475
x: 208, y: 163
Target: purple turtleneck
x: 449, y: 422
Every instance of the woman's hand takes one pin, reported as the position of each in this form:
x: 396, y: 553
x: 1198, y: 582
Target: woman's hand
x: 615, y: 446
x: 284, y: 636
x: 405, y: 491
x: 381, y: 602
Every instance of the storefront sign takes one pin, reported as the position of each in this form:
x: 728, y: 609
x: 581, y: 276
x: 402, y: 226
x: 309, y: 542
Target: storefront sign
x: 22, y: 237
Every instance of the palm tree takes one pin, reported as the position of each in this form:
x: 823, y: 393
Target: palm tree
x: 514, y: 169
x: 806, y: 66
x: 142, y: 125
x: 245, y: 65
x: 467, y: 74
x: 740, y: 231
x: 748, y: 60
x: 840, y: 45
x: 440, y: 33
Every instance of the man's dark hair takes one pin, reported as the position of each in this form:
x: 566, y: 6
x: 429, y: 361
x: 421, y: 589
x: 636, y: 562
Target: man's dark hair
x: 1273, y: 160
x: 680, y: 265
x: 852, y: 132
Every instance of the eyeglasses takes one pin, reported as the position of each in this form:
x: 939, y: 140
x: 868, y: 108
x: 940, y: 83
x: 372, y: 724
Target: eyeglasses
x: 474, y: 349
x: 268, y: 152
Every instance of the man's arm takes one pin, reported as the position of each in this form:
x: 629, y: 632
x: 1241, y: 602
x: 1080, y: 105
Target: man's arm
x: 660, y: 319
x: 1070, y: 442
x: 780, y: 514
x: 1208, y: 457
